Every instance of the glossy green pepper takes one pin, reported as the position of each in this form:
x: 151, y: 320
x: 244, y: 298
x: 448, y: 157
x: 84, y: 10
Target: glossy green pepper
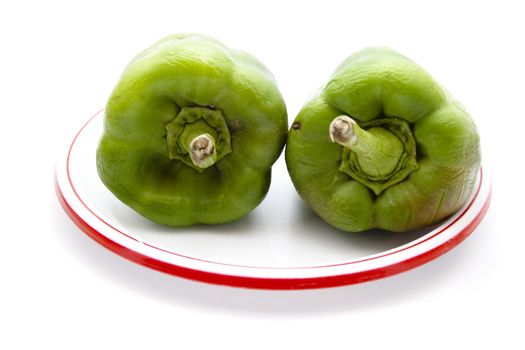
x: 382, y: 145
x: 191, y: 131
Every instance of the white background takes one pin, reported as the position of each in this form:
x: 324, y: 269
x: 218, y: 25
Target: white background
x: 59, y: 289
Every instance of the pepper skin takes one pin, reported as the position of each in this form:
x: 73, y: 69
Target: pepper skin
x: 382, y: 145
x: 191, y: 131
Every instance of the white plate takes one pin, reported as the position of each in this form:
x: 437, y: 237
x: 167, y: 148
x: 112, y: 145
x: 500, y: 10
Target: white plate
x: 280, y: 245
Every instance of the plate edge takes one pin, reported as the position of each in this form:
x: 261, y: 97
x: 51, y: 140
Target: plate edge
x: 268, y: 283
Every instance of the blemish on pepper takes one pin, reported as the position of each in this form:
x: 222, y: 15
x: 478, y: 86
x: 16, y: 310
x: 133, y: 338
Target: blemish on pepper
x: 296, y: 125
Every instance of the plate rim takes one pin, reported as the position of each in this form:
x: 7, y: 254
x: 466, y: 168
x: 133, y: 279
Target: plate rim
x: 275, y: 283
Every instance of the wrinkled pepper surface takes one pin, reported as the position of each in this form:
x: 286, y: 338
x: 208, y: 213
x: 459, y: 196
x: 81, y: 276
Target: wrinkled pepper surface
x: 191, y: 131
x: 382, y: 145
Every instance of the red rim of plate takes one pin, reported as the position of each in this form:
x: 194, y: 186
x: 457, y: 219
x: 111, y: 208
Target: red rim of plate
x: 268, y: 282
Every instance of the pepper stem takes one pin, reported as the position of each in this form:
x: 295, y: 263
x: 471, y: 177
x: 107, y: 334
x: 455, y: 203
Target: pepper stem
x: 202, y: 151
x: 199, y: 141
x: 378, y: 150
x: 198, y: 136
x: 342, y: 131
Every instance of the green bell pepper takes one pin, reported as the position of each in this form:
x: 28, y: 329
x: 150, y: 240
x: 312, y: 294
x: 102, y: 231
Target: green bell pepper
x: 382, y: 145
x: 191, y: 131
